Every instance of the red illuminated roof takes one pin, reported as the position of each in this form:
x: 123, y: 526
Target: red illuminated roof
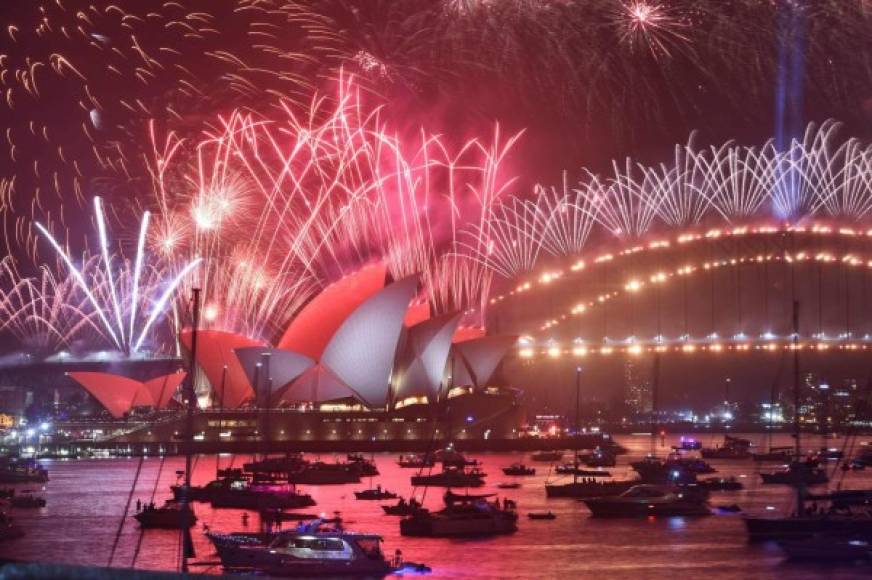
x: 318, y: 321
x: 163, y: 388
x: 464, y: 333
x: 215, y: 353
x: 417, y: 313
x: 118, y: 394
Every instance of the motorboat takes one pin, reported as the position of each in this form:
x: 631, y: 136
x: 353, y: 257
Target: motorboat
x: 15, y: 469
x: 309, y: 550
x: 283, y: 464
x: 518, y: 469
x: 451, y: 457
x: 720, y: 484
x: 599, y: 458
x: 463, y: 516
x: 416, y: 461
x: 262, y: 497
x: 8, y: 529
x: 173, y: 515
x: 228, y: 479
x: 319, y: 473
x: 547, y: 456
x: 402, y: 507
x: 732, y: 448
x: 27, y: 499
x: 542, y: 516
x: 451, y: 477
x: 656, y: 471
x: 361, y: 465
x: 797, y: 473
x: 688, y: 444
x: 828, y: 548
x: 829, y: 454
x: 235, y: 490
x: 574, y: 469
x: 648, y: 500
x: 584, y: 489
x: 376, y: 493
x: 509, y: 485
x: 783, y: 454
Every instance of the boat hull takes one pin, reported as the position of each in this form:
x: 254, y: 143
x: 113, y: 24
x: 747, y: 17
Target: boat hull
x: 607, y: 508
x: 762, y: 529
x: 447, y: 527
x: 589, y: 490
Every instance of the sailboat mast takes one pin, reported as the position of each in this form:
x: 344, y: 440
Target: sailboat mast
x: 577, y: 422
x: 191, y: 396
x: 797, y: 449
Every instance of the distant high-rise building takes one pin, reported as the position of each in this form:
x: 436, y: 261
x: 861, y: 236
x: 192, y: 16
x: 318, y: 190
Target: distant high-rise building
x: 637, y: 390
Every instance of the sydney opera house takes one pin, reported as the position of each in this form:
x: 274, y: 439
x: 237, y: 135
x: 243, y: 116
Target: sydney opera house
x: 362, y: 361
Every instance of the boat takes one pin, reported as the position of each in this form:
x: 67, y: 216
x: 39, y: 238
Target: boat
x: 8, y: 529
x: 309, y: 550
x: 284, y: 464
x: 688, y: 444
x: 657, y: 471
x: 574, y: 469
x: 451, y: 457
x: 798, y: 473
x: 519, y: 469
x: 27, y: 500
x: 588, y: 488
x: 828, y: 548
x: 646, y: 501
x: 463, y: 516
x: 376, y: 493
x: 227, y: 479
x: 173, y: 515
x: 829, y: 454
x: 599, y: 458
x: 783, y: 454
x: 402, y: 507
x: 416, y: 461
x: 720, y: 484
x: 319, y: 473
x: 843, y: 512
x: 15, y: 469
x: 451, y: 477
x: 848, y: 512
x: 542, y: 516
x: 509, y: 485
x: 547, y: 456
x: 234, y: 490
x: 362, y: 466
x: 262, y: 497
x: 732, y: 448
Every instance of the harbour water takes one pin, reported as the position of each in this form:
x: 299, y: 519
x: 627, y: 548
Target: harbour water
x: 87, y: 499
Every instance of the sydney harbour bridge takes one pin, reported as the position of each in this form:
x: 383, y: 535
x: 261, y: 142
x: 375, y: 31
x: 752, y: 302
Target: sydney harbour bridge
x: 712, y: 304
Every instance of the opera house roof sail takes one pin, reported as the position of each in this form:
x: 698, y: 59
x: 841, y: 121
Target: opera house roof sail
x: 119, y: 395
x: 421, y: 367
x: 361, y: 338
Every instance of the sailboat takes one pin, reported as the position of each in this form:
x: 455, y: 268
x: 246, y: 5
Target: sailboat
x: 844, y: 514
x: 587, y: 487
